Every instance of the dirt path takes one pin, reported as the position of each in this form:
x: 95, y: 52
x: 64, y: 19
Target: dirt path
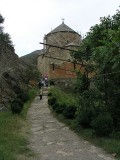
x: 52, y: 140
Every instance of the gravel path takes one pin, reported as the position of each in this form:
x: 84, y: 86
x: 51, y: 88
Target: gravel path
x: 52, y: 140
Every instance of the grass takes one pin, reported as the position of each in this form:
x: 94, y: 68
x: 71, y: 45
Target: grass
x: 13, y: 141
x: 61, y: 96
x: 110, y: 144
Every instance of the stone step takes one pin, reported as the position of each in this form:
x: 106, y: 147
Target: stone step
x: 45, y: 93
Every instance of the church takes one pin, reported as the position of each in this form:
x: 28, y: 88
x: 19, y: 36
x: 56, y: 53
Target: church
x: 56, y: 61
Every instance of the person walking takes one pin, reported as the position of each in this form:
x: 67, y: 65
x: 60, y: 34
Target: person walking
x: 41, y: 93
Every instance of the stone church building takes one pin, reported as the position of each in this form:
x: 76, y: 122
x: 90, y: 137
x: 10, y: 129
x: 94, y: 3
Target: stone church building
x: 56, y: 62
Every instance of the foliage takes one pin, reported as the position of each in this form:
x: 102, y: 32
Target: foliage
x: 69, y: 111
x: 103, y: 124
x: 30, y: 73
x: 16, y: 106
x: 110, y: 144
x: 62, y: 103
x: 52, y: 83
x: 1, y: 19
x: 85, y: 116
x: 51, y: 101
x: 23, y: 96
x: 13, y: 129
x: 61, y: 96
x: 5, y: 38
x: 100, y: 54
x: 49, y: 94
x: 60, y: 108
x: 31, y: 95
x: 18, y: 102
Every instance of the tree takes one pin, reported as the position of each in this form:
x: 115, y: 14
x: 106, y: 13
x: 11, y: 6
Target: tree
x: 5, y: 39
x: 100, y: 54
x: 1, y: 21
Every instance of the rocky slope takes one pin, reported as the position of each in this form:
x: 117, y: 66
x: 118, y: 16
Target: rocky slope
x: 11, y: 68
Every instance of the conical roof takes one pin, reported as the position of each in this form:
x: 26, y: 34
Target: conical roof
x: 62, y: 28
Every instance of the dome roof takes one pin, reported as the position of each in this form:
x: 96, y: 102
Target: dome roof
x: 62, y: 28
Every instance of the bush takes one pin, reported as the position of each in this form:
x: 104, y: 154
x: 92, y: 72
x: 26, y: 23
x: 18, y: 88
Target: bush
x: 17, y: 100
x: 116, y: 135
x: 52, y: 83
x: 49, y: 94
x: 103, y: 124
x: 51, y: 101
x: 16, y: 106
x: 60, y: 108
x: 69, y: 112
x: 55, y: 106
x: 22, y: 96
x: 85, y: 117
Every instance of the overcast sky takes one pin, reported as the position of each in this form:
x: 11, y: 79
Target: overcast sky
x: 27, y: 21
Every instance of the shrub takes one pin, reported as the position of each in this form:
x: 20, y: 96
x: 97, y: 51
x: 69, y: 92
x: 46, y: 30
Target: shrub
x: 52, y: 83
x: 49, y: 94
x: 85, y: 117
x: 55, y: 106
x: 22, y: 96
x: 16, y: 106
x: 17, y: 100
x: 116, y: 135
x: 69, y: 112
x: 51, y: 101
x: 103, y: 124
x: 60, y: 108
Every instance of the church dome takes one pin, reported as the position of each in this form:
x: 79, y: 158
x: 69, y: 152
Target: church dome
x: 62, y: 28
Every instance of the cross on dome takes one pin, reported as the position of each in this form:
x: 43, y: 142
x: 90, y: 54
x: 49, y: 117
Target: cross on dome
x: 63, y: 19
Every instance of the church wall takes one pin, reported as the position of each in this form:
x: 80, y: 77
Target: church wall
x: 40, y: 63
x: 45, y: 64
x: 65, y: 70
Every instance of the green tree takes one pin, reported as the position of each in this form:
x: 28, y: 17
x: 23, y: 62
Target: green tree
x: 1, y: 21
x: 5, y: 39
x: 100, y: 53
x: 30, y: 73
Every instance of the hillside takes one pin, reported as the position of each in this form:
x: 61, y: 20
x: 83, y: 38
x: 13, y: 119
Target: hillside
x: 11, y: 68
x: 15, y: 73
x: 32, y: 57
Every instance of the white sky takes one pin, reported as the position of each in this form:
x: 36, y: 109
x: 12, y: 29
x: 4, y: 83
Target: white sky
x: 28, y: 20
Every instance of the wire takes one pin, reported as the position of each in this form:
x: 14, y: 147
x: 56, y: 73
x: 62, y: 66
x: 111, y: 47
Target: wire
x: 97, y: 75
x: 65, y: 60
x: 50, y: 45
x: 58, y: 47
x: 76, y: 62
